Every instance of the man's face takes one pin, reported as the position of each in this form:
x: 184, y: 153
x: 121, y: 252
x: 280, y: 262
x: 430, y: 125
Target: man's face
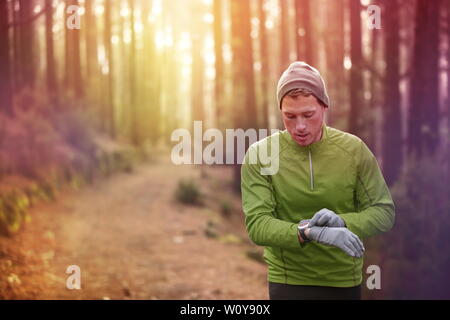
x: 303, y: 118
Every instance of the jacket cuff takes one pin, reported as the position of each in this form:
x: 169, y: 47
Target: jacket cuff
x: 351, y: 221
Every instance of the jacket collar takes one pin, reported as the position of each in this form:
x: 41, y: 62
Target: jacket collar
x: 312, y: 146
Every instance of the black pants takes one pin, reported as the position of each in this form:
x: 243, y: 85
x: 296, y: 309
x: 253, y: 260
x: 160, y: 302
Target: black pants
x: 280, y: 291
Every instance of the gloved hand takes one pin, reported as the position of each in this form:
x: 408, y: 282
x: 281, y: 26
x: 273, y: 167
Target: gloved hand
x: 341, y: 238
x: 325, y: 217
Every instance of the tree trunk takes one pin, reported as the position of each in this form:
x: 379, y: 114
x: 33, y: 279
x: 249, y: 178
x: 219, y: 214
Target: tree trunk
x: 335, y: 52
x: 91, y: 38
x: 16, y: 77
x: 356, y: 80
x: 448, y: 95
x: 123, y: 99
x: 135, y: 123
x: 67, y: 50
x: 169, y: 76
x: 27, y: 52
x: 244, y: 112
x: 152, y: 79
x: 265, y: 72
x: 76, y: 64
x: 423, y: 120
x: 304, y: 31
x: 374, y: 94
x: 109, y: 101
x: 197, y: 106
x: 219, y: 64
x: 73, y: 61
x: 284, y: 35
x: 5, y: 62
x: 392, y: 124
x: 52, y: 84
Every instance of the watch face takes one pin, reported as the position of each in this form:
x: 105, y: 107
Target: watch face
x: 304, y: 223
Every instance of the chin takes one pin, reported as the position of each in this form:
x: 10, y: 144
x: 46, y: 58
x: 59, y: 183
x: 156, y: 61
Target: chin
x: 303, y: 144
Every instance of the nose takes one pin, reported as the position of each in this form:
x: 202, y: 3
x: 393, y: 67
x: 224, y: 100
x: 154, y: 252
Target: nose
x: 300, y: 125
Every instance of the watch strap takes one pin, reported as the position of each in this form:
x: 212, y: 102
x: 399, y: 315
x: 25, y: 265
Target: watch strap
x: 303, y: 235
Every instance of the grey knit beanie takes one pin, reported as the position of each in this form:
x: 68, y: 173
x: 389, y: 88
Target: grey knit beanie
x: 301, y: 75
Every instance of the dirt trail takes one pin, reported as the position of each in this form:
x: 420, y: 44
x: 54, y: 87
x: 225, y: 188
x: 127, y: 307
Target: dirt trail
x: 132, y: 241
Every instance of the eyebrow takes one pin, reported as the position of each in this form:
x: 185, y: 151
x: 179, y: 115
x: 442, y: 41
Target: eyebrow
x: 307, y: 111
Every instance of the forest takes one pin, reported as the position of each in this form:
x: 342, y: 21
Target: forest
x: 91, y: 92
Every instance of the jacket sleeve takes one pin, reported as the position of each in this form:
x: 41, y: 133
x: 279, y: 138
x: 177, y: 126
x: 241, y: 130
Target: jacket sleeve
x: 259, y: 204
x: 375, y: 207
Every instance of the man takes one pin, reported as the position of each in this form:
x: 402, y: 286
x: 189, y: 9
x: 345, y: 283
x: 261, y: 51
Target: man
x: 327, y: 195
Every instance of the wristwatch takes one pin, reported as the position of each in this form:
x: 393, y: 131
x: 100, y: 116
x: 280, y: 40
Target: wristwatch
x: 301, y: 230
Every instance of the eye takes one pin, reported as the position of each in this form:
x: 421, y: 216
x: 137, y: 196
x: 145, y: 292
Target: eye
x: 290, y: 116
x: 309, y: 115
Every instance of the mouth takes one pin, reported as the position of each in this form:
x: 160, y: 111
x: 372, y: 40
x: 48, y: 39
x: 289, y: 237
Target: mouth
x: 302, y: 136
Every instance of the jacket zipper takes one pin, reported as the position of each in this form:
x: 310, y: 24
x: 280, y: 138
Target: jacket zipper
x: 311, y: 172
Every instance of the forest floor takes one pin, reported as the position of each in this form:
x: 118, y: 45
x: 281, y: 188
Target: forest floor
x: 133, y: 240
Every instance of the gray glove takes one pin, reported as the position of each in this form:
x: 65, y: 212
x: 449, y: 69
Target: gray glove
x: 341, y: 238
x: 325, y: 217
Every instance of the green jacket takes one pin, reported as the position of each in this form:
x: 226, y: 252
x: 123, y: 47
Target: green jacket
x: 338, y: 172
